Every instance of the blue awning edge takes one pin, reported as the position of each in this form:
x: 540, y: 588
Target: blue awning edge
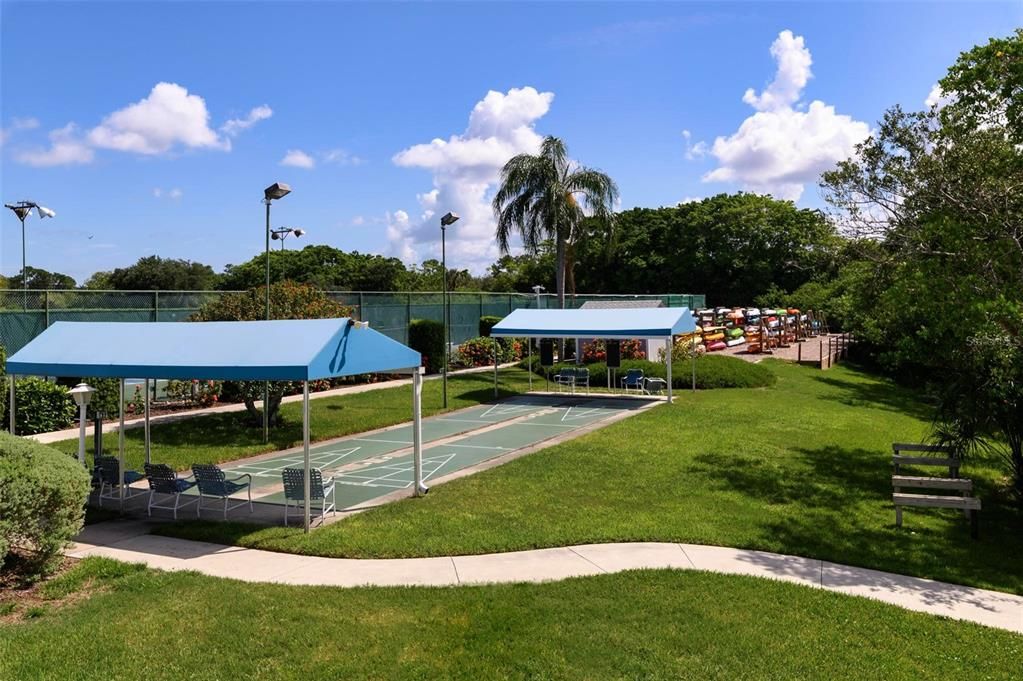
x: 275, y: 350
x: 660, y: 322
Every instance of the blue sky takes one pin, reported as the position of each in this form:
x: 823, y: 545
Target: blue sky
x: 152, y: 128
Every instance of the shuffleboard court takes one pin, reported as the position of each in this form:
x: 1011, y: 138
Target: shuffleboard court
x: 371, y: 465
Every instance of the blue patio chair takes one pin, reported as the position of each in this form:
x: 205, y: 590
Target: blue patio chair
x: 582, y: 379
x: 565, y: 378
x: 633, y: 380
x: 213, y: 483
x: 320, y: 490
x: 107, y: 468
x: 163, y: 480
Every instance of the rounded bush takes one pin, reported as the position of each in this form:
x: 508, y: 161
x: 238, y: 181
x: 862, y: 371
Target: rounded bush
x: 41, y: 406
x: 426, y: 337
x: 487, y: 322
x: 712, y: 371
x: 42, y: 503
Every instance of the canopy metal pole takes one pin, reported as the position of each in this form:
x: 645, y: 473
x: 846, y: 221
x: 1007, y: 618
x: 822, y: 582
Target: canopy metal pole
x: 529, y: 344
x: 671, y: 346
x: 305, y: 449
x: 148, y: 460
x: 495, y: 367
x: 120, y: 448
x: 12, y: 404
x: 418, y: 488
x: 692, y: 361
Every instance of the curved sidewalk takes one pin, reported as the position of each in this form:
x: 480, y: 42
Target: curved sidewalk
x: 129, y: 541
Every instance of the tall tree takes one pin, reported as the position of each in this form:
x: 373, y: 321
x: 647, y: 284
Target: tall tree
x: 164, y: 274
x: 542, y: 197
x: 41, y: 279
x: 319, y: 265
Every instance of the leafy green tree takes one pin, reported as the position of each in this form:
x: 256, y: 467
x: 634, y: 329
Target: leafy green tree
x: 164, y: 274
x: 732, y: 248
x: 542, y: 197
x: 99, y: 281
x: 940, y: 190
x: 521, y: 272
x: 41, y: 279
x: 322, y: 266
x: 288, y: 300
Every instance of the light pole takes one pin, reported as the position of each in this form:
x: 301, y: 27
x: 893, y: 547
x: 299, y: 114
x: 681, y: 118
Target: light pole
x: 278, y: 190
x: 448, y: 219
x: 284, y: 232
x: 536, y: 290
x: 23, y: 209
x: 82, y: 395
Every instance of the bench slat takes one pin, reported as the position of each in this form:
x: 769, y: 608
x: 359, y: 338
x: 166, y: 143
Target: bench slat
x: 915, y: 447
x: 936, y: 501
x: 964, y: 484
x: 926, y: 460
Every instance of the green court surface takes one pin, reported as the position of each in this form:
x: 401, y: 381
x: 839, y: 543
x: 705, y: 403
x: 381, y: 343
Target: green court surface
x: 365, y: 467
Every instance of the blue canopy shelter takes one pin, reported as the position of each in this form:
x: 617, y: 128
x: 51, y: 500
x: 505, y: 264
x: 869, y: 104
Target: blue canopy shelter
x: 277, y: 350
x: 611, y: 324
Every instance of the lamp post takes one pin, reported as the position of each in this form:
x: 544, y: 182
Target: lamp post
x: 448, y: 219
x: 278, y: 190
x: 82, y: 395
x: 23, y: 209
x: 284, y: 232
x: 536, y: 290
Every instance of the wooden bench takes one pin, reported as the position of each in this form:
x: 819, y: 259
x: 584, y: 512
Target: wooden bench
x: 899, y: 459
x: 971, y: 505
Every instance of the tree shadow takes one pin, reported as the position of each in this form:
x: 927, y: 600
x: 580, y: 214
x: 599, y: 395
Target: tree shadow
x: 836, y: 505
x: 876, y: 394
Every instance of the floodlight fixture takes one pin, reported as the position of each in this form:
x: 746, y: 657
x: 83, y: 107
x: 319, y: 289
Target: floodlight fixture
x: 448, y: 219
x: 278, y: 190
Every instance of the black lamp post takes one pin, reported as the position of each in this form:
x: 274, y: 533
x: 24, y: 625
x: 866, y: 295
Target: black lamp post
x: 278, y: 190
x: 447, y: 220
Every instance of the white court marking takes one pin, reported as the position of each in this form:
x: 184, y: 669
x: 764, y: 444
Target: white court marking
x: 364, y: 478
x: 507, y: 409
x: 321, y: 460
x: 579, y: 414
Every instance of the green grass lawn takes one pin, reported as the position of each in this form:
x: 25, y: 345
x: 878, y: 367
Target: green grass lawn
x: 802, y: 467
x: 217, y: 438
x: 140, y: 623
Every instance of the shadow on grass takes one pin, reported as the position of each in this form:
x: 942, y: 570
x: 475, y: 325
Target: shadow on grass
x: 843, y: 513
x: 877, y: 394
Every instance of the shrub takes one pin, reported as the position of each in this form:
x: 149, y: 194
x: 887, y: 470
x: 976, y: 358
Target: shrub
x: 712, y: 371
x: 487, y: 322
x: 42, y: 504
x: 479, y: 352
x: 426, y: 337
x: 596, y: 351
x: 3, y: 383
x: 41, y: 406
x: 106, y: 399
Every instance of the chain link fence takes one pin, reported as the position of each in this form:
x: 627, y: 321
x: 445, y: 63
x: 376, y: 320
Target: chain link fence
x: 26, y: 314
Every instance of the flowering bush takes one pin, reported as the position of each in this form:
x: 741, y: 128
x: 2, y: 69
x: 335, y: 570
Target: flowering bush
x: 597, y: 350
x: 199, y: 393
x: 479, y: 352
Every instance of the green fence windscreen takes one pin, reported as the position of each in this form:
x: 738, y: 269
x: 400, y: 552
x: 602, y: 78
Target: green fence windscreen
x: 24, y: 315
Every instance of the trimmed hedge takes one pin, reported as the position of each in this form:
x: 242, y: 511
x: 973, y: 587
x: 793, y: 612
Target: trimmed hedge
x: 426, y: 337
x: 42, y: 504
x: 4, y: 387
x: 487, y: 322
x: 41, y: 406
x: 712, y: 371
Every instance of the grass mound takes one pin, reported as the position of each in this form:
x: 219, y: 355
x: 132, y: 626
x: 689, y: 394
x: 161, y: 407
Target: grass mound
x: 712, y: 371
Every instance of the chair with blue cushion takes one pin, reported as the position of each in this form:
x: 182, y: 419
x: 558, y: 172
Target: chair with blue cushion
x: 163, y: 480
x: 565, y: 378
x: 633, y: 380
x: 321, y: 492
x: 213, y: 483
x: 108, y: 469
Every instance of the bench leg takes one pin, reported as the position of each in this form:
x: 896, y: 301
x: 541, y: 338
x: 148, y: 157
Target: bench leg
x: 898, y: 516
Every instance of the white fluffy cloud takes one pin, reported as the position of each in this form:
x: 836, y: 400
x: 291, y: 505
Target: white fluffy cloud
x: 169, y: 117
x: 66, y: 148
x: 173, y: 194
x: 937, y: 97
x: 466, y: 168
x: 17, y: 125
x: 236, y: 125
x: 785, y: 145
x: 296, y: 158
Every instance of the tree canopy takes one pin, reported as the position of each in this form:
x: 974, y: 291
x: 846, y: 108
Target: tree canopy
x: 322, y: 266
x: 164, y: 274
x: 41, y: 279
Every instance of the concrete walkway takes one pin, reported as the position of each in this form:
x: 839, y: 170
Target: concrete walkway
x: 129, y: 541
x: 111, y: 425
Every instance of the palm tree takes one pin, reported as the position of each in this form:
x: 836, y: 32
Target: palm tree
x: 542, y: 197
